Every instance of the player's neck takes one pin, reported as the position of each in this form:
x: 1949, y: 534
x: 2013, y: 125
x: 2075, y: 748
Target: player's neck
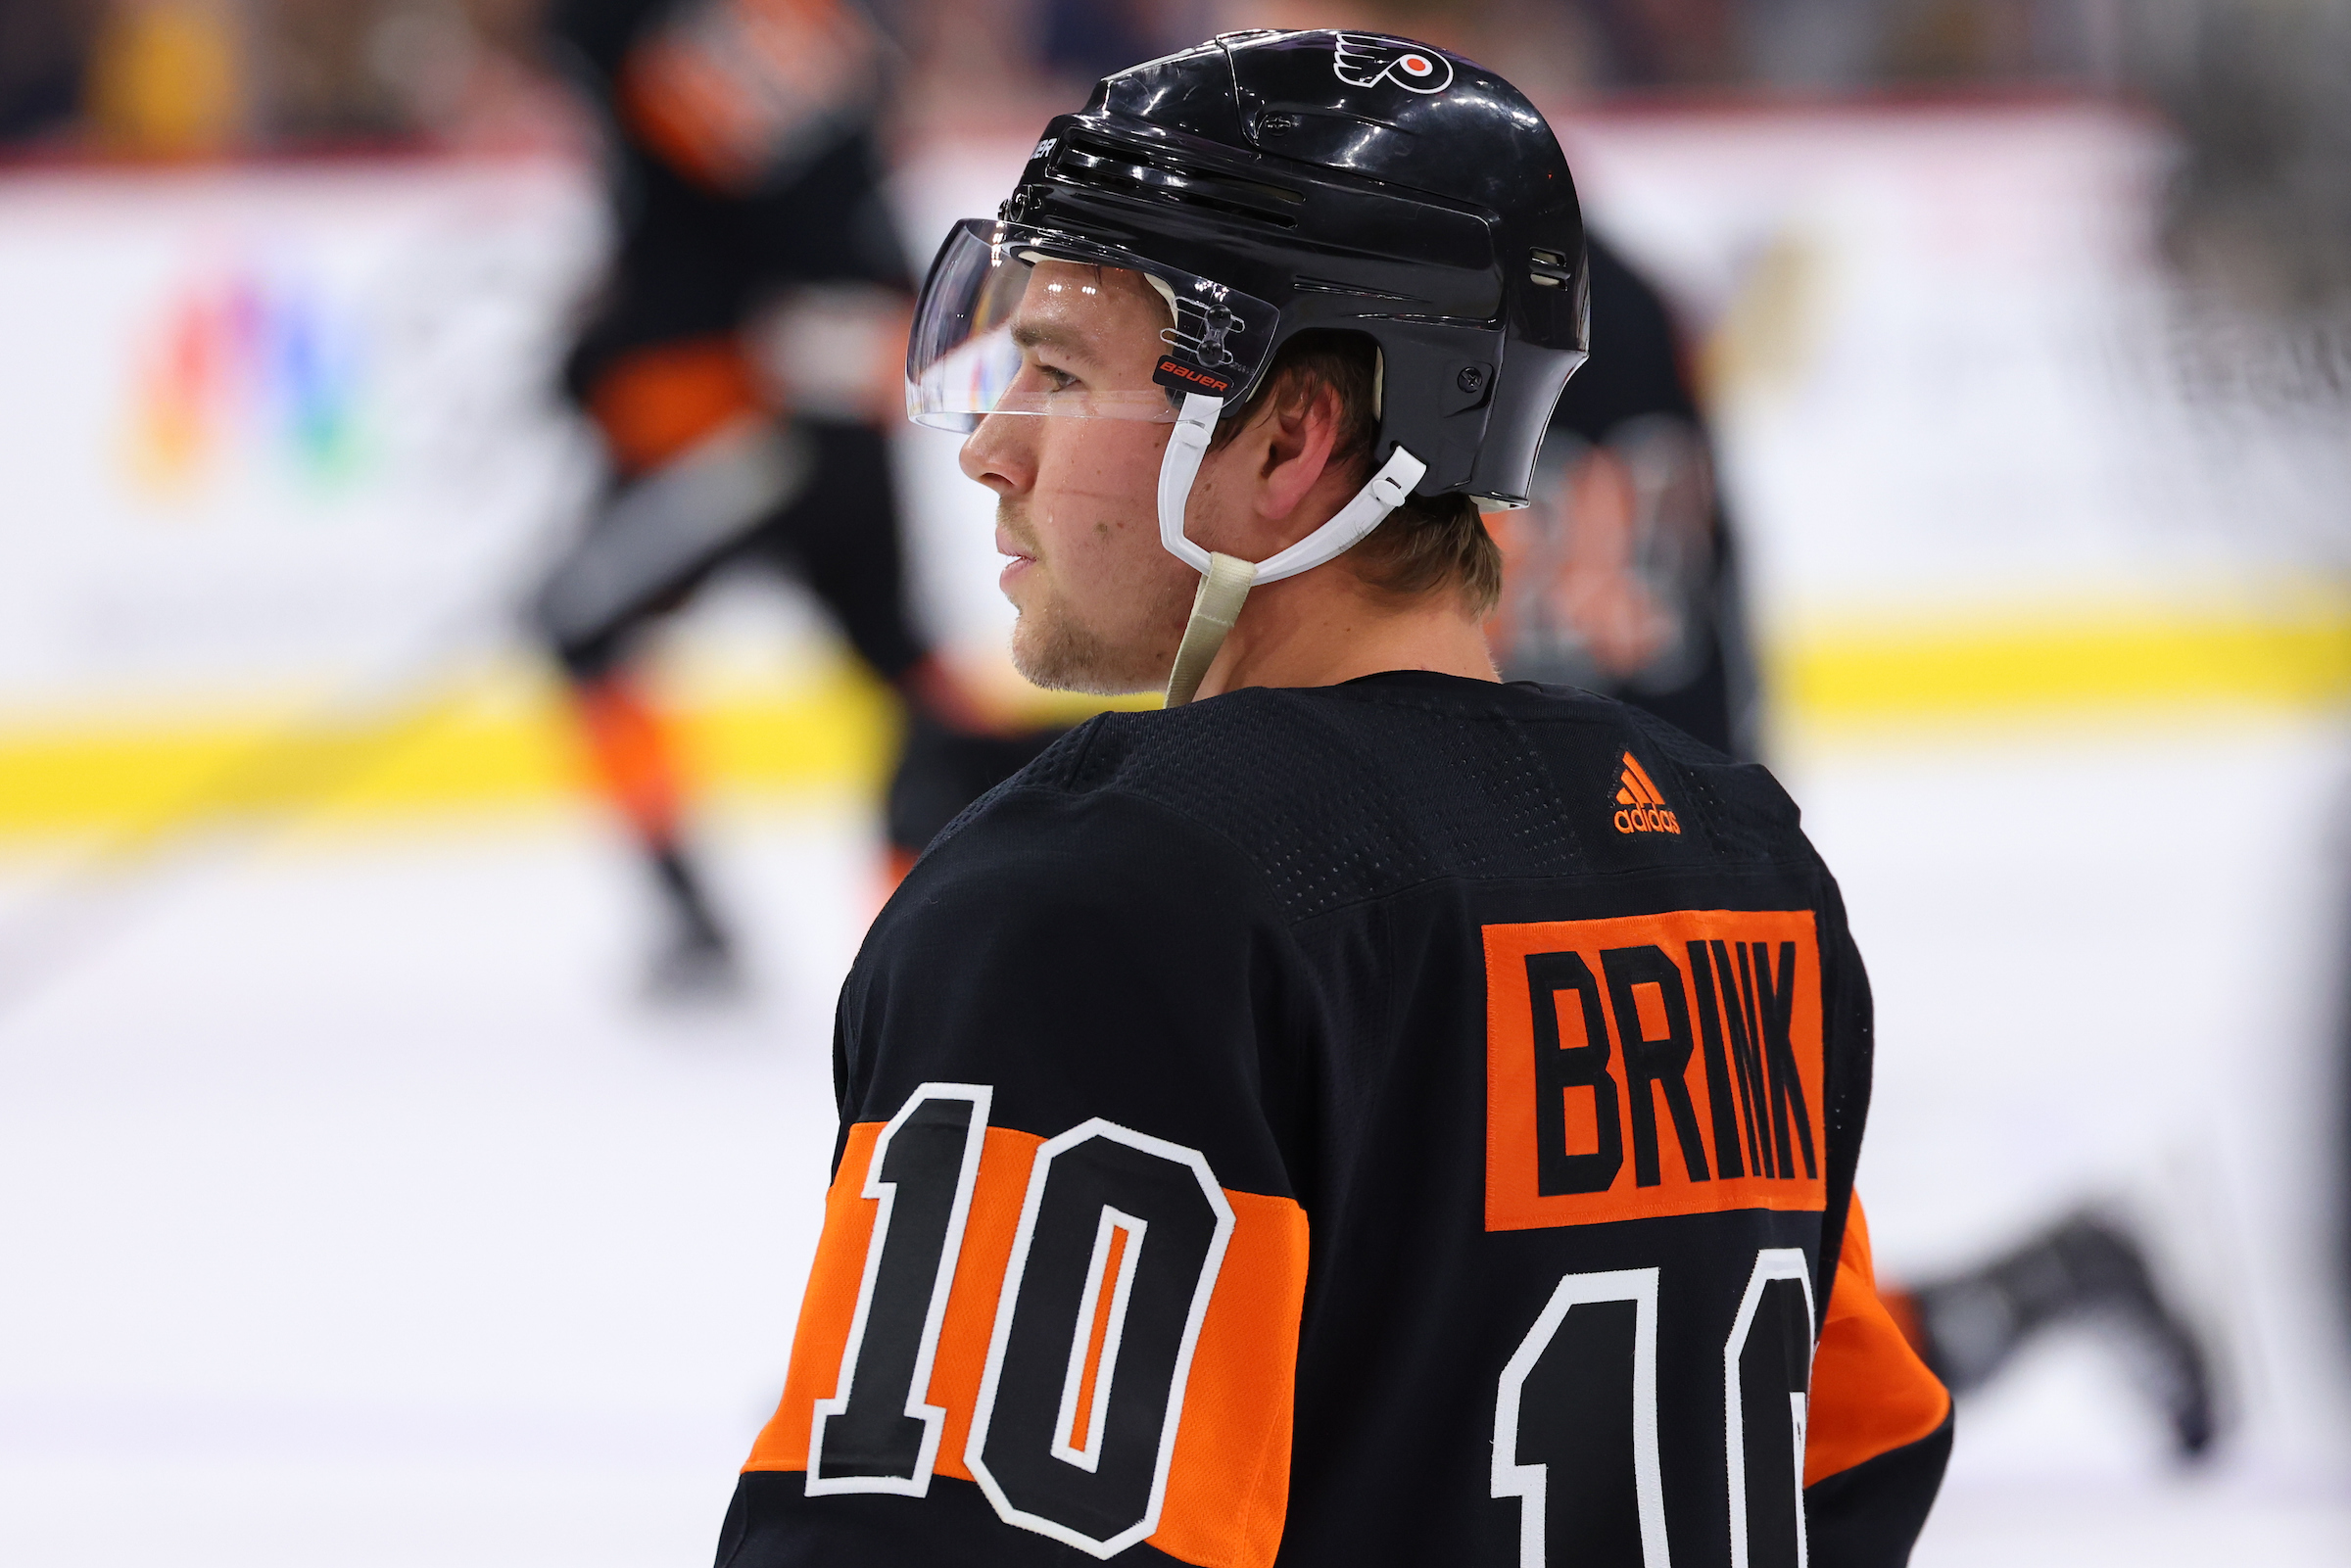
x: 1324, y: 626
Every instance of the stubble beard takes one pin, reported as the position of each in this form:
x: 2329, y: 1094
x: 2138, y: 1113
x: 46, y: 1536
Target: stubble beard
x: 1053, y: 648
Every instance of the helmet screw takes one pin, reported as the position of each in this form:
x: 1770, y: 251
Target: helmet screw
x: 1470, y: 379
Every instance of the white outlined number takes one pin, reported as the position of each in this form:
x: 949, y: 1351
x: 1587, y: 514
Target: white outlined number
x: 879, y: 1433
x: 1768, y: 1354
x: 1090, y: 1187
x: 1575, y: 1419
x: 1549, y: 1424
x: 1119, y: 1242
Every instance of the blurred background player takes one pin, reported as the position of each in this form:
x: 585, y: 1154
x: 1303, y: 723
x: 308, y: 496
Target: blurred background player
x: 2087, y: 1269
x: 741, y: 368
x: 43, y: 56
x: 1621, y: 578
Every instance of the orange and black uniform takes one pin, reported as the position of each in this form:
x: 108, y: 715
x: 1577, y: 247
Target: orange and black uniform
x: 659, y: 364
x: 745, y: 175
x: 1405, y: 1122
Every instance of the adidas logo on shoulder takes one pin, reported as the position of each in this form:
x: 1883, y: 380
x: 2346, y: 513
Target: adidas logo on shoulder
x: 1640, y: 808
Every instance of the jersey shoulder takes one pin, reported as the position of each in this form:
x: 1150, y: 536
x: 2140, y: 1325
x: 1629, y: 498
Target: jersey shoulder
x: 1330, y: 795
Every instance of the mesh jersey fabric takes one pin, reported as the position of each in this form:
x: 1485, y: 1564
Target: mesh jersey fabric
x: 1487, y: 1062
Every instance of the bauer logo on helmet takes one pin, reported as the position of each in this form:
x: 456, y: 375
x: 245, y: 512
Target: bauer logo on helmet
x: 1361, y: 62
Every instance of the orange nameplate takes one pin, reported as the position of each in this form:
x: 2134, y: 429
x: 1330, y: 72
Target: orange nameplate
x: 1653, y: 1065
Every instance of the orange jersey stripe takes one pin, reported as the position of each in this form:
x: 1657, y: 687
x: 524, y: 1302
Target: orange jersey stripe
x: 1227, y: 1486
x: 1871, y: 1393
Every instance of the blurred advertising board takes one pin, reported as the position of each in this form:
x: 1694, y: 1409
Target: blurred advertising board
x: 277, y: 439
x: 1979, y: 465
x: 283, y: 453
x: 262, y: 424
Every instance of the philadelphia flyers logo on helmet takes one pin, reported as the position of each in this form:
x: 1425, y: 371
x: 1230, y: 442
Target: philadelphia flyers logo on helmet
x: 1361, y: 62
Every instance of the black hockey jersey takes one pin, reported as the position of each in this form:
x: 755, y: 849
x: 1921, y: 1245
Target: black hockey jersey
x: 1407, y: 1121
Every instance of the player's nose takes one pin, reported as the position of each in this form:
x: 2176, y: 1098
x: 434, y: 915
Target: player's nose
x: 1001, y: 454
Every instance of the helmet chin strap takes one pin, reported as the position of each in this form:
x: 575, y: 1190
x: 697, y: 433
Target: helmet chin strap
x: 1226, y: 580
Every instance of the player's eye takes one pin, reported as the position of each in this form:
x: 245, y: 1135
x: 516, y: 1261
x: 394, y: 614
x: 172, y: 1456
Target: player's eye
x: 1056, y: 378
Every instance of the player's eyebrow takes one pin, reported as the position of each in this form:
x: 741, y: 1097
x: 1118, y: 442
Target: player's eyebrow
x: 1047, y: 335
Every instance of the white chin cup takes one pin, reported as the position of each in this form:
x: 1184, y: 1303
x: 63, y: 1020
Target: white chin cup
x: 1224, y: 580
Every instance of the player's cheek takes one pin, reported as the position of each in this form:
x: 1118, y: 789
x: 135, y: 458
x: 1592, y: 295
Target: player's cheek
x: 1096, y: 507
x: 1078, y: 489
x: 1125, y: 477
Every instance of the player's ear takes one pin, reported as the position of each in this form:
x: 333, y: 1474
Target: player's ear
x: 1298, y: 432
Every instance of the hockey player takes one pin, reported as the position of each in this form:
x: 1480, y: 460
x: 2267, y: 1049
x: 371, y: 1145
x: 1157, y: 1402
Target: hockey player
x: 744, y: 170
x: 1366, y: 1114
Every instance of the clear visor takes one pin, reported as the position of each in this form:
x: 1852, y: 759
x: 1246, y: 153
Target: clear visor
x: 1021, y: 321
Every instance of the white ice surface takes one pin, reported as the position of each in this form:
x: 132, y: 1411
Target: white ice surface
x: 353, y: 1213
x: 2107, y: 970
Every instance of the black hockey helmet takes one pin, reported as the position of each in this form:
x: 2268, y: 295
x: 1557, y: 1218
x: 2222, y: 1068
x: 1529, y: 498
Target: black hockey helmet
x: 1267, y: 183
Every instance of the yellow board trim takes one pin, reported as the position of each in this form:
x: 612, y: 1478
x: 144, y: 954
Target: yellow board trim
x: 501, y: 736
x: 2118, y: 662
x: 496, y: 738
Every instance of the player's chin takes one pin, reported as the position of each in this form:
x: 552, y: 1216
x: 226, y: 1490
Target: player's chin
x: 1051, y: 651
